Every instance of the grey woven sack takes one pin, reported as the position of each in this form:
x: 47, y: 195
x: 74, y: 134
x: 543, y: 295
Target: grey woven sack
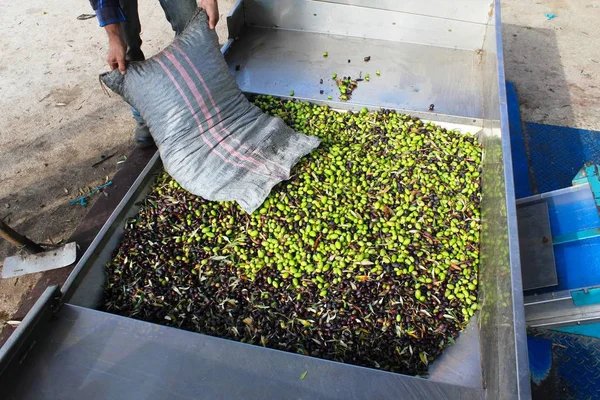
x: 211, y: 139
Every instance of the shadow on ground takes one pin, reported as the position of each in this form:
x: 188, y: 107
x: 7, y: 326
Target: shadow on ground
x: 533, y: 63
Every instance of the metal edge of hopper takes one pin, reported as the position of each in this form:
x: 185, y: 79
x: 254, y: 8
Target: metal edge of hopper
x: 14, y: 352
x: 518, y: 308
x: 83, y: 264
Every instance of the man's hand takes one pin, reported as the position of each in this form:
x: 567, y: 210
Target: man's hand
x: 116, y: 48
x: 212, y: 10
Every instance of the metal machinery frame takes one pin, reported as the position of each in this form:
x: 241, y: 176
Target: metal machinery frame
x: 441, y: 52
x: 563, y: 248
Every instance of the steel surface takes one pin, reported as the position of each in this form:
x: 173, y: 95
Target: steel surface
x: 91, y: 355
x: 460, y: 10
x: 565, y: 365
x: 235, y: 20
x: 502, y: 319
x: 591, y: 170
x: 412, y: 77
x: 367, y: 22
x: 22, y: 343
x: 517, y: 145
x: 586, y: 297
x: 537, y: 250
x: 557, y: 153
x: 460, y: 364
x: 556, y: 309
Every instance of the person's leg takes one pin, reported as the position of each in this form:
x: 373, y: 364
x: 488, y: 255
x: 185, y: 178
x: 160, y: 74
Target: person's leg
x: 131, y: 34
x: 141, y: 133
x: 131, y: 30
x: 179, y: 13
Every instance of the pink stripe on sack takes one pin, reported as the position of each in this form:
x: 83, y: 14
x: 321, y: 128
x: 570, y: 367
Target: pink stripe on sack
x: 194, y: 89
x: 198, y: 123
x: 209, y: 94
x: 242, y: 146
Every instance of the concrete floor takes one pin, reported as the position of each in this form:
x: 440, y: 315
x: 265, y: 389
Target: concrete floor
x: 554, y: 63
x: 57, y: 121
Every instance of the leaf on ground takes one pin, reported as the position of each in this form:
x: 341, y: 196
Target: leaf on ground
x: 303, y: 375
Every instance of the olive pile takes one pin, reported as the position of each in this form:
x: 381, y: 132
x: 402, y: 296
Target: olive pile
x: 346, y: 86
x: 367, y: 255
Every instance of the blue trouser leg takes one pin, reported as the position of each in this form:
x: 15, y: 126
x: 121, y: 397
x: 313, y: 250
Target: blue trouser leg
x: 137, y: 116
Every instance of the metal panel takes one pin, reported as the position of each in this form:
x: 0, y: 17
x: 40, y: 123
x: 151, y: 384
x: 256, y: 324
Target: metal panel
x: 460, y: 364
x: 591, y: 330
x: 572, y: 210
x: 460, y: 10
x: 93, y: 355
x: 586, y: 297
x: 235, y: 20
x: 581, y: 192
x: 537, y: 250
x: 25, y: 338
x: 274, y: 61
x: 517, y: 144
x: 553, y: 310
x: 518, y: 376
x: 352, y: 21
x: 502, y: 320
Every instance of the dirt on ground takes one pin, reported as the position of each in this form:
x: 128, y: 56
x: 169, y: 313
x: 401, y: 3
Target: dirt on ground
x: 555, y: 62
x: 58, y: 124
